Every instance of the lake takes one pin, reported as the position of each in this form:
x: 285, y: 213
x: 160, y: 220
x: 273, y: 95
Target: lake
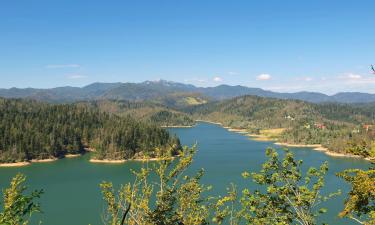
x: 72, y: 195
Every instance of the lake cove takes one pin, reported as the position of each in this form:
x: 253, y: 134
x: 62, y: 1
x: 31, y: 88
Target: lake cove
x: 72, y: 194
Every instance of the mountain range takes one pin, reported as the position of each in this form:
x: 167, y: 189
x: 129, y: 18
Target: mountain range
x: 149, y: 90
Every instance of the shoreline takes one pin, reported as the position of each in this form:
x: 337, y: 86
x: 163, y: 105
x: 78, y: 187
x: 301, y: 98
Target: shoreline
x: 319, y: 147
x: 301, y: 145
x: 104, y: 161
x: 315, y: 147
x: 237, y: 130
x: 255, y: 137
x: 43, y: 160
x: 259, y: 137
x: 178, y: 126
x: 118, y: 161
x: 72, y: 155
x: 27, y: 163
x: 107, y: 161
x: 207, y: 121
x: 16, y: 164
x: 153, y: 159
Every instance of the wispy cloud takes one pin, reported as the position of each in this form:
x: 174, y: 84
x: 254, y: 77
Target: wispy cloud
x: 353, y: 76
x: 356, y: 79
x: 330, y: 84
x: 233, y: 73
x: 217, y: 79
x: 307, y: 79
x: 61, y: 66
x: 264, y: 76
x: 76, y: 76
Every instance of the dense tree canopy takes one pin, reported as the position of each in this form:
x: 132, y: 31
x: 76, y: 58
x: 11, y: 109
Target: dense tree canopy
x: 32, y: 130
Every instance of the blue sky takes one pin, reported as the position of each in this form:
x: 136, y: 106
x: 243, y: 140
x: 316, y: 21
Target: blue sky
x: 289, y: 46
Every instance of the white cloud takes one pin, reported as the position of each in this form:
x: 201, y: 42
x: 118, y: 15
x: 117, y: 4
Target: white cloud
x: 264, y: 76
x: 60, y: 66
x: 76, y: 76
x: 217, y: 79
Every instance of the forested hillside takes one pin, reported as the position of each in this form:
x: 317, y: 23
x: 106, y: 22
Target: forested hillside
x: 259, y: 112
x: 120, y: 129
x: 340, y: 127
x: 32, y: 130
x: 154, y: 112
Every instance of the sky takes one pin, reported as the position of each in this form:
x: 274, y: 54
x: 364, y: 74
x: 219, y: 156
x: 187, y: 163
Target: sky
x: 285, y: 46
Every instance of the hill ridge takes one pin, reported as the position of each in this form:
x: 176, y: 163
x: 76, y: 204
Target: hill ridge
x: 148, y: 90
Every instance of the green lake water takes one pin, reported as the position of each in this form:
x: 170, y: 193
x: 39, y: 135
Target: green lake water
x: 72, y: 195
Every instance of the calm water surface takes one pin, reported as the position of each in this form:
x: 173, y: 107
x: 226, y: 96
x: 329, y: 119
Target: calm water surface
x: 72, y: 195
